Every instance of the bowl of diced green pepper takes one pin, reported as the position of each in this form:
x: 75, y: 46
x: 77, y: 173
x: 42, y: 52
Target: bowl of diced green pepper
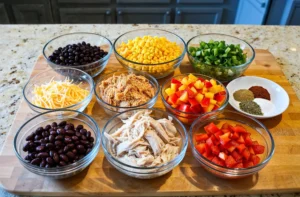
x: 220, y: 56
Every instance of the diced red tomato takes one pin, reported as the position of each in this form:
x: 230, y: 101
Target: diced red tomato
x: 201, y: 137
x: 239, y: 129
x: 230, y: 162
x: 175, y: 81
x: 258, y: 149
x: 215, y: 107
x: 229, y: 147
x: 200, y: 148
x: 235, y: 136
x: 251, y: 150
x: 208, y: 156
x: 225, y: 130
x: 184, y: 108
x: 223, y: 156
x: 234, y: 143
x: 225, y: 126
x: 207, y: 84
x: 246, y: 154
x: 172, y: 99
x: 224, y: 139
x: 241, y: 147
x: 217, y: 134
x: 255, y: 143
x: 239, y: 165
x: 205, y: 102
x: 215, y: 150
x: 241, y: 140
x: 209, y: 142
x: 247, y: 139
x: 211, y: 128
x: 218, y: 161
x: 255, y: 159
x: 219, y: 97
x: 236, y: 156
x: 193, y: 102
x: 248, y: 164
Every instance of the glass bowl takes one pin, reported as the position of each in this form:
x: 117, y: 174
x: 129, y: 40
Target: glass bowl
x: 144, y: 172
x: 159, y: 70
x: 94, y: 68
x: 44, y: 119
x: 79, y: 77
x: 187, y: 117
x: 113, y: 110
x: 222, y: 73
x: 258, y: 132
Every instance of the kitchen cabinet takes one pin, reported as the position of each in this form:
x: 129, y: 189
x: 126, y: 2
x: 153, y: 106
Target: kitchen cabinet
x: 198, y: 15
x: 3, y: 15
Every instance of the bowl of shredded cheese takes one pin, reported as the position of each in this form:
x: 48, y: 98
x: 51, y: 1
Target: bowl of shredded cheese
x: 154, y: 51
x: 64, y: 88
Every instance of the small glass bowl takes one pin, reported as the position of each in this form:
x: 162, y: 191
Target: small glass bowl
x: 258, y: 132
x: 159, y: 70
x: 79, y: 77
x: 144, y: 172
x: 222, y: 73
x: 113, y: 110
x: 187, y: 117
x: 94, y: 68
x: 42, y: 120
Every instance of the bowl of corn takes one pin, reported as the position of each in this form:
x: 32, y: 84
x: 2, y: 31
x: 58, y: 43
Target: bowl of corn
x: 157, y: 52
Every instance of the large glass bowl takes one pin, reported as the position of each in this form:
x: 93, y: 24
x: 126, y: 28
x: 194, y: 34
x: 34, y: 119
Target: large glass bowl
x: 159, y: 70
x: 187, y: 117
x: 94, y: 68
x: 222, y: 73
x: 144, y: 172
x: 44, y: 119
x: 78, y: 77
x: 113, y: 110
x: 258, y: 132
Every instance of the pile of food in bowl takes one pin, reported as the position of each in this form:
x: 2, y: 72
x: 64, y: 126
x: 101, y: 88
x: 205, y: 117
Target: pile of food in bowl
x: 139, y: 140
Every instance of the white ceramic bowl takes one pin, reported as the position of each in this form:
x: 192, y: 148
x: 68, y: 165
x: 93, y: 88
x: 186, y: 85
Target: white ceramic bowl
x: 279, y: 97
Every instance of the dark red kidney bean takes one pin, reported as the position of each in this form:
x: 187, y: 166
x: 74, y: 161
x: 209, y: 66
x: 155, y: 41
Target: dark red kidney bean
x: 75, y: 138
x: 71, y: 146
x: 50, y: 160
x: 79, y: 127
x: 62, y: 163
x: 81, y: 149
x: 75, y: 151
x: 37, y: 142
x: 59, y: 137
x: 47, y: 166
x: 43, y: 155
x: 58, y: 143
x: 66, y: 149
x: 50, y: 146
x: 84, y: 142
x: 54, y: 124
x: 60, y: 131
x: 42, y: 141
x: 70, y: 132
x: 39, y: 130
x: 43, y: 164
x: 88, y: 150
x: 89, y: 145
x: 91, y: 139
x: 46, y: 133
x: 77, y: 133
x: 46, y: 139
x: 30, y: 137
x: 28, y: 158
x: 57, y: 147
x: 88, y: 134
x: 38, y: 137
x: 32, y: 155
x: 51, y: 153
x: 83, y: 131
x: 40, y: 148
x: 68, y: 140
x: 56, y: 158
x: 47, y: 127
x: 83, y: 137
x: 67, y: 127
x: 70, y: 155
x: 26, y: 146
x: 31, y: 144
x: 36, y: 161
x: 62, y: 123
x: 71, y: 126
x: 51, y: 138
x: 53, y: 133
x: 60, y: 151
x: 64, y: 157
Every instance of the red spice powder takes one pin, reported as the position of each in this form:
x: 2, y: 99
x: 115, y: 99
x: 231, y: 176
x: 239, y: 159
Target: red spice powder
x: 260, y: 92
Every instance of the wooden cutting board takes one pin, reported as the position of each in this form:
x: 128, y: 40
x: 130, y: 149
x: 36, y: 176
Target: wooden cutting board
x: 282, y: 174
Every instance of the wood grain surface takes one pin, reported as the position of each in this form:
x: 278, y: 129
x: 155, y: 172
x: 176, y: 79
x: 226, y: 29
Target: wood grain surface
x: 282, y: 174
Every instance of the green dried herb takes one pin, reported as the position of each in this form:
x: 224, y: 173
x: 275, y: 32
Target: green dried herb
x: 243, y: 95
x: 251, y: 107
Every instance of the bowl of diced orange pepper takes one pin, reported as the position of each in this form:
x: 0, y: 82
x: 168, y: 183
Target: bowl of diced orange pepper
x: 190, y: 95
x: 157, y: 52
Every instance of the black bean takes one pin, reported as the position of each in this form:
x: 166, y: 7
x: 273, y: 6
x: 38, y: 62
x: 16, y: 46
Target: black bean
x: 78, y: 134
x: 81, y: 148
x: 62, y: 163
x: 36, y: 161
x: 38, y: 137
x: 40, y: 148
x: 75, y: 151
x: 61, y: 131
x: 50, y: 146
x: 28, y: 158
x: 43, y: 164
x: 56, y: 158
x: 45, y: 134
x: 51, y: 138
x: 88, y: 150
x: 46, y: 139
x: 50, y: 160
x: 84, y: 142
x: 64, y: 157
x: 71, y: 146
x: 91, y: 139
x: 39, y: 130
x: 83, y: 137
x: 58, y: 143
x: 70, y: 132
x: 75, y: 138
x: 68, y: 140
x: 88, y: 134
x: 51, y: 153
x: 54, y: 124
x: 53, y: 132
x: 66, y: 149
x: 70, y: 155
x: 79, y: 127
x: 83, y: 131
x: 47, y: 127
x: 59, y: 137
x: 47, y: 166
x: 43, y: 155
x: 89, y: 145
x: 30, y: 137
x: 62, y: 123
x: 26, y: 146
x: 60, y: 151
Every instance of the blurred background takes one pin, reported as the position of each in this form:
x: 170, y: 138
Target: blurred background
x: 260, y: 12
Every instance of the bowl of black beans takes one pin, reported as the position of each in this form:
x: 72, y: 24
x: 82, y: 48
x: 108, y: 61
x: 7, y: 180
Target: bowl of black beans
x: 88, y: 52
x: 57, y: 147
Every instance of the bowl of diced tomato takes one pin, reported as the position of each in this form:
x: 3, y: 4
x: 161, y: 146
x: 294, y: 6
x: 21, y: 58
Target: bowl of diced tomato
x: 231, y: 145
x: 190, y: 95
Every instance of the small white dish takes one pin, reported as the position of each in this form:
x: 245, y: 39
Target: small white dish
x: 279, y: 97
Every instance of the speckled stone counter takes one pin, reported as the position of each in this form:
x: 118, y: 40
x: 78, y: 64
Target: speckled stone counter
x: 20, y: 45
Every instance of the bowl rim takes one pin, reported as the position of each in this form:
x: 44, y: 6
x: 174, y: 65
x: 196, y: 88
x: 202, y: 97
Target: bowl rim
x: 63, y: 68
x: 182, y: 151
x: 106, y: 57
x: 126, y: 72
x: 150, y: 29
x: 218, y: 34
x: 261, y: 164
x: 192, y: 113
x: 67, y: 168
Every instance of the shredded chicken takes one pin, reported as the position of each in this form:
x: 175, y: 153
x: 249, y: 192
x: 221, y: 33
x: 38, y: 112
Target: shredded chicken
x: 143, y: 141
x: 126, y: 90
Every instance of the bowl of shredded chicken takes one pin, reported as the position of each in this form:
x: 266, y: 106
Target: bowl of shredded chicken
x: 145, y: 145
x: 120, y: 91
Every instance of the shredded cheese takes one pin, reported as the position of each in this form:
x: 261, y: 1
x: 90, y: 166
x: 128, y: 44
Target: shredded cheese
x: 58, y: 94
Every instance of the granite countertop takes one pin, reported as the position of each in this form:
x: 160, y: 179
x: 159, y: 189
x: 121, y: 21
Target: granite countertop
x: 20, y: 46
